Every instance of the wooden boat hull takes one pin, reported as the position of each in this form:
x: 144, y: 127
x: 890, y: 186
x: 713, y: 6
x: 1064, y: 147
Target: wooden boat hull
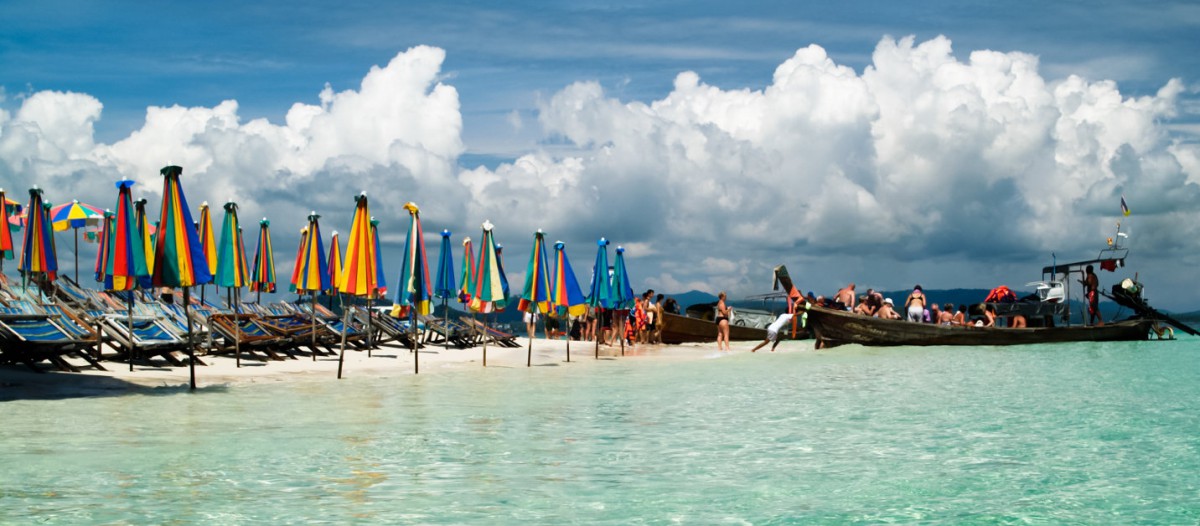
x: 685, y: 329
x: 832, y: 328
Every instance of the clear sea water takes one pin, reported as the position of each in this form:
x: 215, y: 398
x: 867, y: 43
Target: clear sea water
x: 1080, y: 433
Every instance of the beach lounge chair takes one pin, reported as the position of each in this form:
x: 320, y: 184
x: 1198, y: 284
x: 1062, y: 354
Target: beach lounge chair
x: 387, y: 329
x: 244, y: 331
x: 33, y: 338
x: 492, y: 335
x: 439, y: 332
x: 149, y: 338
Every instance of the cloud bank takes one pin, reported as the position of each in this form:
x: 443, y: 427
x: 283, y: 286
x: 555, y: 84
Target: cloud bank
x: 921, y: 157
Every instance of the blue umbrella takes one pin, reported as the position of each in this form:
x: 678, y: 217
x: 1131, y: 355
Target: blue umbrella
x: 600, y: 295
x: 444, y: 287
x: 622, y: 292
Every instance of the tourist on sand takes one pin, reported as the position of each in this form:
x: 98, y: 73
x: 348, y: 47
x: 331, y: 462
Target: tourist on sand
x: 888, y: 310
x: 845, y: 297
x: 773, y: 331
x: 1091, y: 287
x: 659, y: 308
x: 722, y: 321
x: 531, y: 319
x: 915, y: 305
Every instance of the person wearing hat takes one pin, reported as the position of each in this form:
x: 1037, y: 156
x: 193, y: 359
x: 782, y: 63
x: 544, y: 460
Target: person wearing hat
x: 888, y: 310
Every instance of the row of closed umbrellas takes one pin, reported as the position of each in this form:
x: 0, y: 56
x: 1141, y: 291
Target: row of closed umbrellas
x: 182, y: 253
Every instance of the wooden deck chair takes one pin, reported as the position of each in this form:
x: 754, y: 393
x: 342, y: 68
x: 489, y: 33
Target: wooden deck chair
x: 493, y: 335
x: 438, y: 332
x: 388, y: 330
x: 250, y: 333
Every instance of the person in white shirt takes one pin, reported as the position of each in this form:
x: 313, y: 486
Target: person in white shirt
x: 773, y: 331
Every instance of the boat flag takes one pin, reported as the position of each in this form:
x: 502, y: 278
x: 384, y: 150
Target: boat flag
x: 1124, y: 207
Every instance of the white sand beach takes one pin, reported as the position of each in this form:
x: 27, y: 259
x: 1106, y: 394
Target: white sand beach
x: 19, y: 382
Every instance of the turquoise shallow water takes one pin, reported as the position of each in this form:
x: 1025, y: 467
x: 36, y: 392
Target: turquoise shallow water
x: 1085, y: 433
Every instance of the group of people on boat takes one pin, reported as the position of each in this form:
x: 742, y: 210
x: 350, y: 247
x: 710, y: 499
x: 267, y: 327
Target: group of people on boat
x: 917, y: 308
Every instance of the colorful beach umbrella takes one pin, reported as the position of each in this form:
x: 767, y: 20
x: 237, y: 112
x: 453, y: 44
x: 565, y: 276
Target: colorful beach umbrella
x: 125, y: 256
x: 380, y: 281
x: 262, y: 277
x: 535, y: 297
x: 7, y: 248
x: 359, y: 274
x: 622, y: 293
x: 208, y: 241
x: 178, y: 258
x: 102, y: 254
x: 313, y: 274
x: 566, y: 299
x: 334, y: 264
x: 75, y: 215
x: 147, y: 232
x: 38, y: 254
x: 232, y: 269
x: 487, y: 294
x: 444, y: 287
x: 600, y: 294
x: 468, y: 273
x: 500, y: 265
x: 413, y: 289
x: 296, y: 266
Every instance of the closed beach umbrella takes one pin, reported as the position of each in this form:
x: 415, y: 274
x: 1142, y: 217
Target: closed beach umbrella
x: 566, y: 299
x: 297, y: 266
x: 178, y: 259
x: 125, y: 256
x: 313, y: 275
x: 147, y: 232
x: 535, y: 297
x: 600, y: 295
x: 262, y: 277
x: 9, y: 209
x: 358, y: 268
x: 467, y: 280
x: 75, y: 215
x: 444, y: 287
x: 102, y: 254
x: 37, y: 255
x: 208, y: 241
x: 413, y: 289
x: 380, y: 281
x: 232, y: 268
x: 488, y: 293
x: 622, y: 292
x: 335, y: 266
x: 503, y: 275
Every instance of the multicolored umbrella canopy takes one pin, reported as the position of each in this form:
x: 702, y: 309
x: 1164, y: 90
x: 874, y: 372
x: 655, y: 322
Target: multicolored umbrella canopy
x: 75, y: 215
x: 146, y: 231
x: 622, y: 292
x: 601, y: 294
x: 6, y: 241
x: 208, y: 241
x: 334, y: 264
x: 536, y: 295
x: 358, y: 271
x: 444, y: 288
x: 231, y: 253
x: 468, y: 272
x: 412, y: 289
x: 262, y: 278
x: 300, y: 250
x: 500, y: 265
x: 102, y: 255
x: 313, y: 271
x: 125, y: 262
x: 488, y: 294
x: 380, y: 280
x: 178, y: 258
x: 38, y: 255
x: 566, y: 297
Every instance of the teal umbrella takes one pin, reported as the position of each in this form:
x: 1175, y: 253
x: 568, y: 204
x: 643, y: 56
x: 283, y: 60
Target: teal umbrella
x: 600, y: 297
x: 622, y: 292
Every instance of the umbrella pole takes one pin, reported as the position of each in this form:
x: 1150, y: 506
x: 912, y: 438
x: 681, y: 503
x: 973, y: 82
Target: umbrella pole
x: 567, y: 336
x: 445, y: 312
x: 412, y: 320
x: 314, y: 325
x: 345, y: 325
x: 258, y: 295
x: 370, y: 340
x: 622, y: 335
x: 187, y: 300
x: 485, y: 339
x: 596, y: 330
x: 237, y: 326
x: 131, y: 331
x: 529, y: 355
x: 76, y: 229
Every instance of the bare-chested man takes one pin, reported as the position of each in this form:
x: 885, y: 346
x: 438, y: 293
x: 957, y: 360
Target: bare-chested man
x: 845, y: 297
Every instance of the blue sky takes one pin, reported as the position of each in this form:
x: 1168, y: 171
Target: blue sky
x: 515, y: 66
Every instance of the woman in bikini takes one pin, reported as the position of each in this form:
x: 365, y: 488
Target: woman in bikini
x: 722, y: 320
x: 915, y: 305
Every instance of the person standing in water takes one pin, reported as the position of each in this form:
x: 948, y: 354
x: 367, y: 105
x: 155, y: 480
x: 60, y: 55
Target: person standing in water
x: 773, y: 332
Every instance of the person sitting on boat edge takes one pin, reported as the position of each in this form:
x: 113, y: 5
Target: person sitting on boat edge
x: 960, y: 317
x: 989, y: 317
x: 888, y: 311
x: 773, y: 331
x: 844, y: 299
x: 947, y: 314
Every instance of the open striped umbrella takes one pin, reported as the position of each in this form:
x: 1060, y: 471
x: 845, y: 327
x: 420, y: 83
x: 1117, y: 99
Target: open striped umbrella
x: 444, y: 287
x: 125, y: 260
x: 535, y: 298
x: 313, y: 274
x: 102, y: 255
x: 358, y: 271
x: 6, y: 241
x: 232, y: 269
x: 38, y: 255
x: 487, y: 294
x: 413, y: 289
x: 334, y: 265
x: 147, y: 232
x: 567, y: 300
x: 622, y: 292
x: 75, y: 215
x: 600, y: 295
x: 262, y: 276
x: 178, y: 259
x: 208, y: 241
x: 296, y: 268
